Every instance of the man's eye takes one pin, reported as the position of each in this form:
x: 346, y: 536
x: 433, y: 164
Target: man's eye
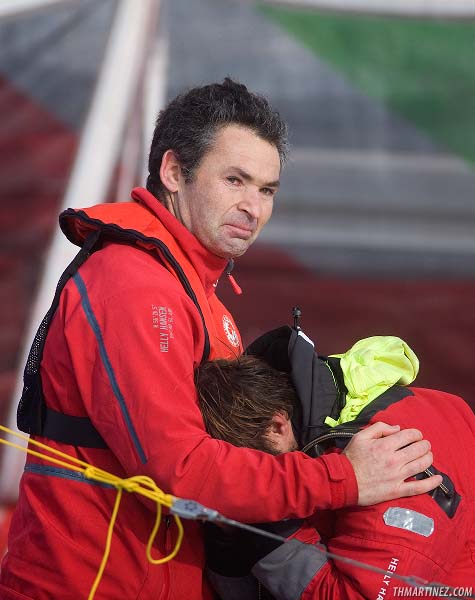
x: 268, y: 191
x: 234, y: 180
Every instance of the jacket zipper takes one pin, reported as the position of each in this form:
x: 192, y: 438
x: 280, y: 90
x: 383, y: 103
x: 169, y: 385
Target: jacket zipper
x: 444, y: 488
x: 328, y: 436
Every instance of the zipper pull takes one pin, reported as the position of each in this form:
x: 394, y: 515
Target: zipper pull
x: 232, y: 281
x: 296, y: 313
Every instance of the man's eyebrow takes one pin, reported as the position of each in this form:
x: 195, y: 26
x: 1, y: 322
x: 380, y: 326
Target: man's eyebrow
x: 247, y: 177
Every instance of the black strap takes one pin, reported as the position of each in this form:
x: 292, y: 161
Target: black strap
x: 75, y: 431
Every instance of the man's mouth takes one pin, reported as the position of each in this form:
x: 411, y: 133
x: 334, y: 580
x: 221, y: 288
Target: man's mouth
x: 241, y: 231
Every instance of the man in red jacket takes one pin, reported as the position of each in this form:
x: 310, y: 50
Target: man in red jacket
x: 258, y: 406
x: 110, y: 375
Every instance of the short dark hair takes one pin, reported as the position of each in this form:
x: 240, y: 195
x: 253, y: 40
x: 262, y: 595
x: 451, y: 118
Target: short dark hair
x: 188, y: 126
x: 238, y: 399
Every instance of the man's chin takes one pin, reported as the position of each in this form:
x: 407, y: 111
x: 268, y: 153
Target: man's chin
x: 235, y: 249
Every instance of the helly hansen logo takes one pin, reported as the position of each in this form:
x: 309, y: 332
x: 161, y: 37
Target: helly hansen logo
x: 162, y: 320
x: 387, y: 578
x: 230, y: 332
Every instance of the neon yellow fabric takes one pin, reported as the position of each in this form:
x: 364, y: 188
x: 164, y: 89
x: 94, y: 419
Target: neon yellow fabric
x: 370, y: 367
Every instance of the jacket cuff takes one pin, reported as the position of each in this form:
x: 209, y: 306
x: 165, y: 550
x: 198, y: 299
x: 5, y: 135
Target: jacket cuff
x: 342, y: 479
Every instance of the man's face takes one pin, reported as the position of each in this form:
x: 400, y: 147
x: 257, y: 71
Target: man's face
x: 231, y: 196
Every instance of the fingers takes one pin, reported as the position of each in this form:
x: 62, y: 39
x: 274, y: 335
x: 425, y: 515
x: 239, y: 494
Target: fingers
x: 378, y: 430
x: 415, y: 487
x: 401, y: 439
x: 414, y: 458
x: 394, y: 438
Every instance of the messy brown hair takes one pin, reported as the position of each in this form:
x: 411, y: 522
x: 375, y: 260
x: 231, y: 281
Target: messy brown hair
x: 238, y: 399
x: 189, y: 124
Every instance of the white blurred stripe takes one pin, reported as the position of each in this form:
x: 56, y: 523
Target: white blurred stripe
x: 13, y: 8
x: 367, y: 233
x: 378, y: 159
x: 154, y: 93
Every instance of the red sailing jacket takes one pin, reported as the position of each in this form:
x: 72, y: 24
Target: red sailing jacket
x: 414, y: 537
x: 121, y: 350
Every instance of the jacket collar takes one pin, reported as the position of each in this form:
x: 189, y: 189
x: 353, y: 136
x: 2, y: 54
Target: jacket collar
x: 207, y: 265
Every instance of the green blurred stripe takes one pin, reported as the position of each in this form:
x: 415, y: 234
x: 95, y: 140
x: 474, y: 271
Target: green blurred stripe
x: 422, y: 69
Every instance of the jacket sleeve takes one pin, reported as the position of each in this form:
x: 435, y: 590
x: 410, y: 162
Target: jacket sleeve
x: 132, y: 352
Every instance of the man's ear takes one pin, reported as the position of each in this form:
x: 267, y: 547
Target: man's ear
x: 170, y: 171
x: 280, y: 434
x: 280, y: 424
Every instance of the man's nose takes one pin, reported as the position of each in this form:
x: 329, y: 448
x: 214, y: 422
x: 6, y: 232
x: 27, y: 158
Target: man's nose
x: 251, y: 203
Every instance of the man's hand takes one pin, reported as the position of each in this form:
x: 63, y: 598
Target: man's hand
x: 383, y: 457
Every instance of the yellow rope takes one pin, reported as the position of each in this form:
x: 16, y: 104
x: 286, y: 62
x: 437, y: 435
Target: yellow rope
x: 139, y: 484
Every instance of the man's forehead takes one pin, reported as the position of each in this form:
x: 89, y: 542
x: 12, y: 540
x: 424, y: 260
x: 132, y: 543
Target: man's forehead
x: 241, y: 147
x: 237, y: 133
